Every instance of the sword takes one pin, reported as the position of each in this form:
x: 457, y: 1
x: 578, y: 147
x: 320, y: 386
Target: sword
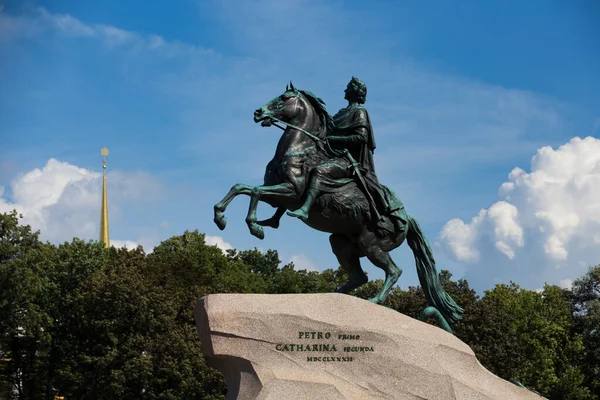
x: 354, y: 166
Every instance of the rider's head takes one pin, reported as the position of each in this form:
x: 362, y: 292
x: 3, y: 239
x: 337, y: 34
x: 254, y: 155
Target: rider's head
x: 356, y: 91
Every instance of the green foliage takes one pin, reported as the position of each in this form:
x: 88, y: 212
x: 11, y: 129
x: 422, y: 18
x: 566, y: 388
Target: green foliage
x: 25, y: 291
x: 530, y: 337
x: 87, y: 322
x: 586, y: 301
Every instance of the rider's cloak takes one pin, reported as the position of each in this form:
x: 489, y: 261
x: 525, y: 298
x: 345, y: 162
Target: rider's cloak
x: 346, y: 123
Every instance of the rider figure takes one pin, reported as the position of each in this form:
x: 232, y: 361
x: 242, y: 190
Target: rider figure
x: 352, y: 130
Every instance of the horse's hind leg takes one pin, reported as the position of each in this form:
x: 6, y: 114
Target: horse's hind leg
x: 383, y: 260
x: 348, y: 256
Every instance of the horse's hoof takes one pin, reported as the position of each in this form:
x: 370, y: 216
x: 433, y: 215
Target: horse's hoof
x: 258, y: 231
x: 220, y: 220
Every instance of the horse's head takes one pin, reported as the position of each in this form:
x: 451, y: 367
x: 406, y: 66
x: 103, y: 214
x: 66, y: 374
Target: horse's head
x: 296, y: 107
x: 285, y: 107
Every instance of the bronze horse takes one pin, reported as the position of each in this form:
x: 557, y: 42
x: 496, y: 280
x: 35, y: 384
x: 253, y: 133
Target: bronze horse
x: 345, y: 214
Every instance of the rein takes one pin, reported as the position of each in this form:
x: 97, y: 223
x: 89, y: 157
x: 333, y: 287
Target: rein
x: 334, y: 152
x: 295, y: 127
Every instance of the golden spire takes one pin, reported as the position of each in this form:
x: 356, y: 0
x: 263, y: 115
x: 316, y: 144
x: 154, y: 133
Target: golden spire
x: 104, y: 213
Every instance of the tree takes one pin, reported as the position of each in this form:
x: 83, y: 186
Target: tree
x: 264, y: 264
x: 84, y: 321
x: 529, y: 336
x: 586, y: 302
x: 24, y: 320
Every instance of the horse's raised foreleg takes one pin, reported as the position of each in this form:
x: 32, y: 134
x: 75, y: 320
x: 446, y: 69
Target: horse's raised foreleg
x: 347, y: 254
x: 220, y: 207
x: 283, y: 190
x: 273, y: 222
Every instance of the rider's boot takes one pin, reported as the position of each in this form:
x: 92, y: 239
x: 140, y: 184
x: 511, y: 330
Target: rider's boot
x: 302, y: 212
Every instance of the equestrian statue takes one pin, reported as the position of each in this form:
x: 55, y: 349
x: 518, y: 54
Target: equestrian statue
x: 323, y: 174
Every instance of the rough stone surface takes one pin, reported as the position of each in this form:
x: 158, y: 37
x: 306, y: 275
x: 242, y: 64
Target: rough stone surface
x: 240, y: 335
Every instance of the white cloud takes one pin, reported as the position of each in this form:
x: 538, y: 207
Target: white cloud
x: 302, y: 262
x: 128, y: 244
x: 218, y: 241
x: 114, y: 37
x: 507, y: 232
x: 546, y: 226
x: 63, y: 201
x: 56, y: 199
x: 66, y: 23
x: 566, y: 283
x: 42, y: 20
x: 460, y: 237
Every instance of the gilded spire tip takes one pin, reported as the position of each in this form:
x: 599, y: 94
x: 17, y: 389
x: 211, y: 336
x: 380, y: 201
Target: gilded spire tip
x: 104, y: 236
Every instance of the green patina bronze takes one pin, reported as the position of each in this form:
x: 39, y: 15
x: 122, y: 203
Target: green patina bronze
x: 323, y: 173
x: 519, y: 384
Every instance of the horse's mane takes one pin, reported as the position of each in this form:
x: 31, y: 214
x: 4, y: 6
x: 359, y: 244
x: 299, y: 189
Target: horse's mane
x: 319, y: 106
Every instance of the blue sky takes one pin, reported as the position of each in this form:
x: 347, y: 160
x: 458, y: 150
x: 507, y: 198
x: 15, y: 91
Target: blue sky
x: 460, y: 94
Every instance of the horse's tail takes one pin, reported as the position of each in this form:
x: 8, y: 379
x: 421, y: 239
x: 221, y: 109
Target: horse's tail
x: 430, y: 282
